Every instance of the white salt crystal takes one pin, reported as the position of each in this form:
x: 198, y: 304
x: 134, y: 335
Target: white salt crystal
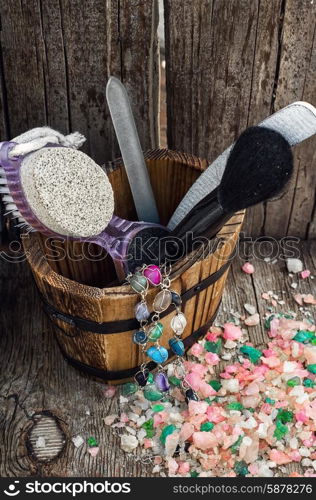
x: 294, y: 285
x: 250, y: 309
x: 293, y: 443
x: 128, y: 443
x: 77, y: 441
x: 289, y: 367
x: 304, y: 452
x: 294, y: 265
x: 40, y: 442
x: 306, y: 462
x: 230, y: 344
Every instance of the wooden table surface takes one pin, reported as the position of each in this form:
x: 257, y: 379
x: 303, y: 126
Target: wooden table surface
x: 40, y: 395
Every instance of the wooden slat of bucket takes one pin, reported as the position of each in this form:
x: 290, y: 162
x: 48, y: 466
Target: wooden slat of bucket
x: 103, y: 304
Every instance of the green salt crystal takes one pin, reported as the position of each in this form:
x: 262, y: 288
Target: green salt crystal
x: 308, y: 382
x: 292, y: 382
x: 252, y: 410
x: 215, y: 384
x: 234, y: 406
x: 151, y: 393
x: 174, y: 380
x: 234, y: 448
x: 270, y: 401
x: 166, y: 431
x: 241, y: 468
x: 193, y: 473
x: 280, y: 430
x: 210, y: 401
x: 148, y: 426
x: 207, y: 426
x: 92, y: 442
x: 253, y: 354
x: 285, y: 416
x: 303, y: 336
x: 313, y: 341
x: 157, y: 408
x: 311, y: 368
x: 150, y: 379
x: 129, y: 388
x: 215, y: 347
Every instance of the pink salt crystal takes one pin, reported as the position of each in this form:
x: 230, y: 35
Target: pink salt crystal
x: 197, y: 420
x: 196, y: 349
x: 197, y: 407
x: 252, y: 320
x: 109, y: 419
x: 248, y: 268
x: 171, y: 444
x: 305, y: 274
x: 310, y: 355
x: 265, y: 296
x: 206, y: 390
x: 110, y: 391
x: 301, y: 416
x: 124, y: 418
x: 157, y: 419
x: 212, y: 337
x: 94, y: 451
x: 211, y: 358
x: 172, y: 466
x: 198, y: 368
x: 271, y: 362
x: 184, y: 468
x: 279, y: 457
x: 193, y: 380
x: 147, y: 443
x: 186, y: 432
x: 231, y: 332
x: 231, y: 369
x: 295, y: 456
x: 250, y: 401
x: 298, y: 298
x: 309, y: 299
x: 157, y: 460
x: 216, y: 330
x: 268, y: 353
x: 253, y: 469
x: 204, y: 440
x: 216, y: 414
x: 251, y: 389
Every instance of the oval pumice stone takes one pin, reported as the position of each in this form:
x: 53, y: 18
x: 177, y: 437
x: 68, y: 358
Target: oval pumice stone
x: 67, y: 191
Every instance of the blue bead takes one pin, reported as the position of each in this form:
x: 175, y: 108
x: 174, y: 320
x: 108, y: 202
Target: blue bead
x: 140, y: 337
x: 177, y: 346
x: 157, y: 354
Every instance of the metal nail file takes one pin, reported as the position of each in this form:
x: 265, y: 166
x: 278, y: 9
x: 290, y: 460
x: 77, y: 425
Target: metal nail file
x: 296, y: 122
x: 131, y: 151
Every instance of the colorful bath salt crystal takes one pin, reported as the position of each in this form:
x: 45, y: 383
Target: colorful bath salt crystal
x: 308, y: 382
x: 92, y: 442
x: 241, y: 468
x: 196, y: 349
x: 214, y: 347
x: 305, y: 274
x: 235, y: 447
x: 94, y: 450
x: 148, y: 426
x: 141, y: 311
x: 162, y: 300
x: 248, y: 268
x: 194, y: 473
x: 280, y: 430
x: 176, y: 298
x: 270, y: 401
x: 311, y: 368
x: 157, y: 408
x: 285, y: 416
x: 292, y: 382
x: 207, y: 426
x: 153, y: 274
x: 294, y: 265
x: 303, y: 336
x: 166, y: 431
x: 110, y: 392
x: 232, y: 332
x: 161, y: 382
x: 235, y: 405
x: 140, y: 337
x: 151, y: 393
x: 129, y: 388
x: 253, y: 354
x: 175, y: 380
x: 215, y: 384
x: 177, y: 346
x: 178, y: 323
x: 138, y: 282
x: 155, y: 331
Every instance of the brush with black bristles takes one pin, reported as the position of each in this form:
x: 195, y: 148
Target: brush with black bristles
x: 258, y: 168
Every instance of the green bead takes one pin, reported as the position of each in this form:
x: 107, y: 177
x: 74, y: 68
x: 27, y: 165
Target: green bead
x: 193, y: 473
x: 285, y: 416
x: 138, y: 283
x: 311, y: 368
x: 241, y: 468
x: 303, y: 336
x: 148, y: 426
x: 235, y: 447
x: 207, y: 426
x: 166, y: 431
x: 129, y: 388
x: 308, y: 382
x: 234, y: 406
x: 215, y: 347
x: 270, y: 401
x: 151, y: 393
x: 292, y: 382
x: 174, y: 380
x: 215, y: 384
x: 157, y: 408
x: 155, y: 331
x: 280, y: 430
x: 92, y: 442
x: 150, y: 379
x: 253, y: 354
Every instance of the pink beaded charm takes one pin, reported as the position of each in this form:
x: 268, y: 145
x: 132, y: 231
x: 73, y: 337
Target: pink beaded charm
x: 153, y: 274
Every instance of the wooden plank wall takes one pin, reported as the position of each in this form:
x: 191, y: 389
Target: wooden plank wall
x: 229, y: 64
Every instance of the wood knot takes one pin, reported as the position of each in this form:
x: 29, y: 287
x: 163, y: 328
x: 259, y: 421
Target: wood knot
x: 45, y: 440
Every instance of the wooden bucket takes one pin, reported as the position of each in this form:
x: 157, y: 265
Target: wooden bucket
x: 93, y: 318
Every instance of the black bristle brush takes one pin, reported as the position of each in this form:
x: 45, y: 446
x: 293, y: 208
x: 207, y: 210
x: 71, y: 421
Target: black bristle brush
x: 258, y: 168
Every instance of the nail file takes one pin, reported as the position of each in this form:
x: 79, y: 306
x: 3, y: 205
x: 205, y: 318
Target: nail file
x: 133, y: 158
x: 295, y: 122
